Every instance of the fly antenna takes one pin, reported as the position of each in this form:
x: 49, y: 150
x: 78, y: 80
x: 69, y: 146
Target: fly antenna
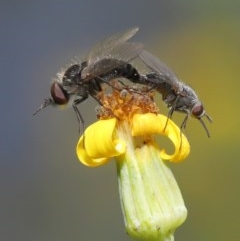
x: 204, y: 126
x: 209, y: 118
x: 46, y: 102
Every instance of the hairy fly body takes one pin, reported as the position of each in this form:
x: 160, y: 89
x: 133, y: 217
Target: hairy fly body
x: 177, y: 95
x: 108, y: 60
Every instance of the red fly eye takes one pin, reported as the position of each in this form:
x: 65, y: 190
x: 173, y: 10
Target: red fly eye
x: 198, y: 110
x: 59, y: 95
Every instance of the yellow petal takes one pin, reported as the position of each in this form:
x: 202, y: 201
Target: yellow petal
x: 149, y: 124
x: 98, y: 143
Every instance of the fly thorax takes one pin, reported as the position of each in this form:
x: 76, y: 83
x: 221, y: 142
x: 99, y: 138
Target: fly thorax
x: 71, y: 75
x: 179, y: 88
x: 84, y: 73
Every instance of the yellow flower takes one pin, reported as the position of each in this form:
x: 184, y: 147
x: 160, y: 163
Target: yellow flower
x: 151, y: 201
x: 100, y: 141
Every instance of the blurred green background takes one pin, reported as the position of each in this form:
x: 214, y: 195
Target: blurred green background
x: 46, y: 194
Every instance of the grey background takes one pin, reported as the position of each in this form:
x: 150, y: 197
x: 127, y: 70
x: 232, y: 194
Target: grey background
x: 46, y: 193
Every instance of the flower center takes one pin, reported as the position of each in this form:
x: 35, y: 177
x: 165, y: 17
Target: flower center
x: 125, y: 101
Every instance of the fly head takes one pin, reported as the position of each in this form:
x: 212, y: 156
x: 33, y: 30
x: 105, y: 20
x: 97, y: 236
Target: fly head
x: 58, y: 97
x: 198, y: 112
x: 59, y: 94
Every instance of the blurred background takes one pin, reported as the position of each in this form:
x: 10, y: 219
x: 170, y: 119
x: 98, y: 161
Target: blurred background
x: 46, y: 193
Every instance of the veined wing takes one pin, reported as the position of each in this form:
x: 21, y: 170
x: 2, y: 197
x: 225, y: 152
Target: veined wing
x: 159, y: 67
x: 114, y: 47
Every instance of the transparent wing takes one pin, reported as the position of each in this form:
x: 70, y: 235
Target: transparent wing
x: 114, y: 47
x: 158, y: 66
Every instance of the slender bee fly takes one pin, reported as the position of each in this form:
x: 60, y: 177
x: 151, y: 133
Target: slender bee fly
x: 177, y: 95
x: 108, y: 60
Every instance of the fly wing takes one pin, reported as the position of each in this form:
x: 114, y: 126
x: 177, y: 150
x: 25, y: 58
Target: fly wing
x: 156, y: 65
x: 114, y: 47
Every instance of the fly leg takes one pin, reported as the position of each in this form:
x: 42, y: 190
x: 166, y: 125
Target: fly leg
x: 78, y: 114
x: 107, y: 82
x: 183, y: 127
x: 171, y: 111
x: 184, y: 123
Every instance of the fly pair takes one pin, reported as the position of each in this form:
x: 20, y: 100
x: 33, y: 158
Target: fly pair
x: 111, y: 59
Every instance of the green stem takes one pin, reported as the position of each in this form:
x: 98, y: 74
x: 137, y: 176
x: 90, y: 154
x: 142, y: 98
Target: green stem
x: 151, y: 201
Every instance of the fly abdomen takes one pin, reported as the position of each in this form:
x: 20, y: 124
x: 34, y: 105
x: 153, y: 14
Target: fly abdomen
x: 129, y: 72
x: 157, y: 83
x: 122, y: 70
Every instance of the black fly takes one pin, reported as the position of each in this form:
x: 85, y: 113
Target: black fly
x: 177, y: 95
x: 107, y: 61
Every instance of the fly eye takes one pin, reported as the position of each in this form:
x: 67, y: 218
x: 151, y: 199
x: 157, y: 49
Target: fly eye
x: 198, y: 110
x: 59, y: 95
